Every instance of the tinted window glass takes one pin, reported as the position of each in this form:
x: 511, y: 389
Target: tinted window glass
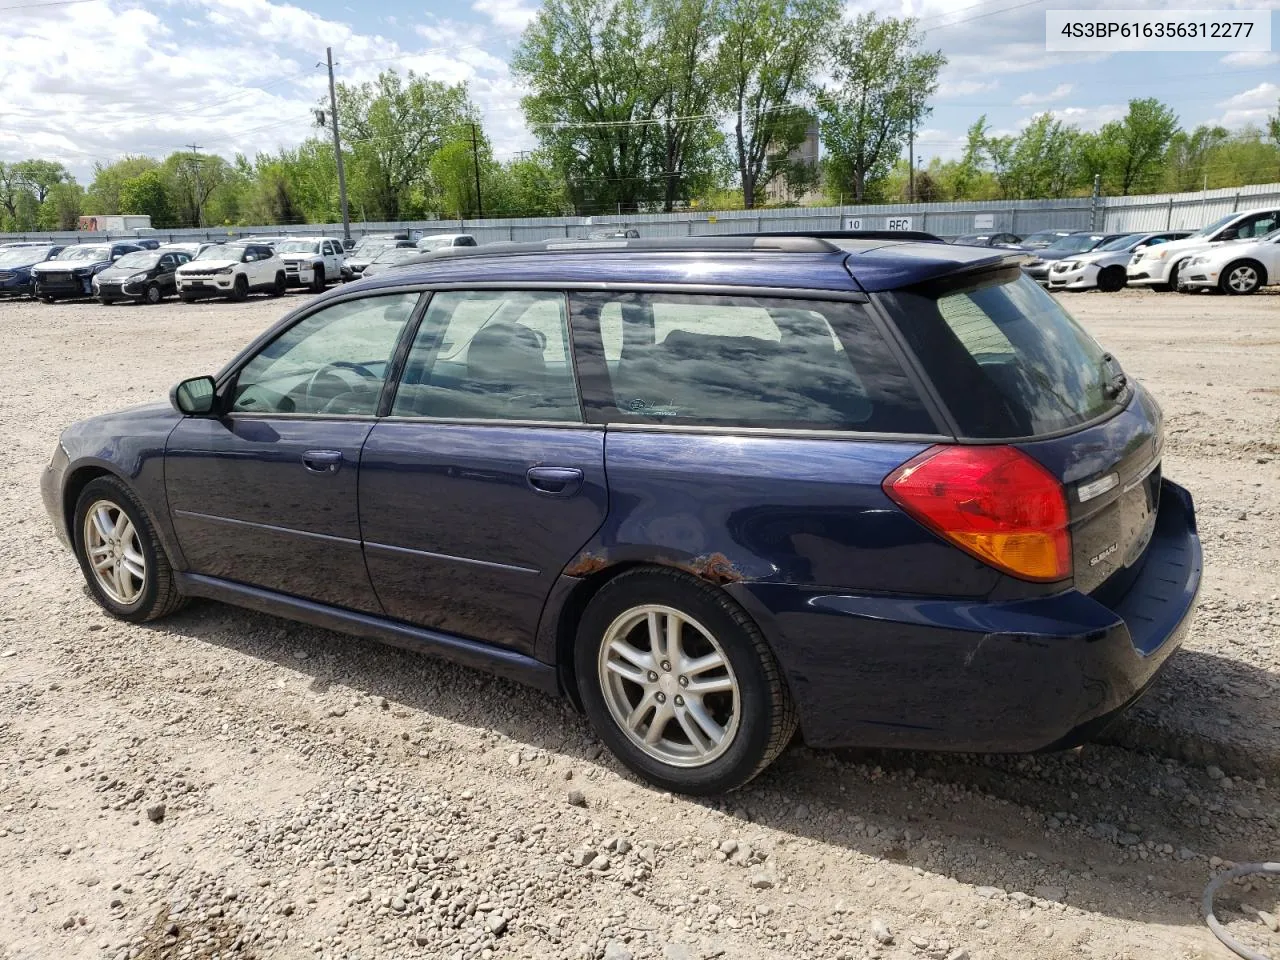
x: 739, y: 361
x: 491, y: 355
x: 1006, y: 358
x: 333, y: 361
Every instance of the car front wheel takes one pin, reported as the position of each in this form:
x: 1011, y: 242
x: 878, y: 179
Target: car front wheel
x: 1241, y: 278
x: 1112, y: 279
x: 123, y: 562
x: 153, y: 294
x: 240, y: 288
x: 680, y: 684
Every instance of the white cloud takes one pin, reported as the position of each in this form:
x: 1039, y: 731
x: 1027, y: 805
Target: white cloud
x: 951, y: 89
x: 1251, y: 58
x: 231, y: 75
x: 1252, y: 106
x: 511, y: 16
x: 1060, y: 92
x: 1085, y: 118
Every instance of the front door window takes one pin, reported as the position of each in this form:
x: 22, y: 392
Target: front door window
x: 332, y: 362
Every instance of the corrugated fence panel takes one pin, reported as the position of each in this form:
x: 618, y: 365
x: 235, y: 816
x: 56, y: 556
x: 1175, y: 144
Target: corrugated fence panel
x: 1114, y: 214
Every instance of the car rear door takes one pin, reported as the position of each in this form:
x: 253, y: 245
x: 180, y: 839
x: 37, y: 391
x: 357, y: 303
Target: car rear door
x: 265, y: 492
x: 484, y: 481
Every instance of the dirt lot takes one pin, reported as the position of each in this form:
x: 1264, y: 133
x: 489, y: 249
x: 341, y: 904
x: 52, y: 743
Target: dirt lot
x: 326, y: 797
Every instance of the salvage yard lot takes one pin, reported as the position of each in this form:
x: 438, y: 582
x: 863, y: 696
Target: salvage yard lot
x: 328, y: 797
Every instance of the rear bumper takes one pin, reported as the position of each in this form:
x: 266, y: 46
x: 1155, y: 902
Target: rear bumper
x: 914, y: 673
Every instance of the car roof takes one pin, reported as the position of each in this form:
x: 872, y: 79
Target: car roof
x: 800, y: 263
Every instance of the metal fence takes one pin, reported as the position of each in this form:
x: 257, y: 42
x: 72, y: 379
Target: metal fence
x: 1113, y: 214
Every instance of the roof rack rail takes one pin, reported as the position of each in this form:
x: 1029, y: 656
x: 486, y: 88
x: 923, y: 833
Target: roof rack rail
x: 729, y: 243
x: 917, y: 235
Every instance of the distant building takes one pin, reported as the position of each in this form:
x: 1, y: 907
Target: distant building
x: 806, y: 154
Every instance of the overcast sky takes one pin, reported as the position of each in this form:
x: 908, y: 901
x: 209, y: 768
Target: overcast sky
x: 91, y: 80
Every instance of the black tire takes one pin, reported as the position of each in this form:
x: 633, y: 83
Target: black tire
x: 106, y: 301
x: 44, y: 298
x: 317, y: 280
x: 153, y: 294
x: 1173, y: 277
x: 1112, y: 279
x: 767, y: 719
x: 240, y: 288
x: 159, y: 594
x: 1242, y: 277
x: 279, y: 288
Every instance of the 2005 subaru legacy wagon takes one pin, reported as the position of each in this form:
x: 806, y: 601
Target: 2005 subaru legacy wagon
x: 709, y: 490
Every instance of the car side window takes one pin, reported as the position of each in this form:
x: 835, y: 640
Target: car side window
x: 333, y: 361
x: 739, y: 361
x: 165, y: 262
x: 491, y: 355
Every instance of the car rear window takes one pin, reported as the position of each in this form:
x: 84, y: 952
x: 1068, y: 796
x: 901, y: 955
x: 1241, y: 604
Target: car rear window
x: 683, y: 359
x: 1004, y: 356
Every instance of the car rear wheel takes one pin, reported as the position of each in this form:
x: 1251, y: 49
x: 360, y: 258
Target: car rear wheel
x: 153, y: 294
x: 1112, y: 279
x: 1241, y: 278
x: 680, y: 684
x: 240, y: 288
x: 317, y: 280
x: 123, y: 562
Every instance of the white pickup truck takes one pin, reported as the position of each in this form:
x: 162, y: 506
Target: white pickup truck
x: 312, y: 261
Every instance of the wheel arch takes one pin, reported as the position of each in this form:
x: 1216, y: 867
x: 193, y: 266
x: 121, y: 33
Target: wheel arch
x: 578, y: 585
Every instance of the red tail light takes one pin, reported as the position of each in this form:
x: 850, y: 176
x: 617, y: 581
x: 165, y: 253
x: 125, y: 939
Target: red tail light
x: 994, y: 502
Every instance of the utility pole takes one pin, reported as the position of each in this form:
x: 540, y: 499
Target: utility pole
x: 475, y: 152
x: 337, y: 150
x: 195, y: 168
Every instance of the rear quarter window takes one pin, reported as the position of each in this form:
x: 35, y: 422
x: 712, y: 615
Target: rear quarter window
x: 695, y: 360
x: 1006, y: 359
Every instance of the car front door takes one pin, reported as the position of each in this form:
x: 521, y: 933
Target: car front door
x: 264, y: 493
x: 332, y: 259
x: 164, y: 271
x: 484, y: 481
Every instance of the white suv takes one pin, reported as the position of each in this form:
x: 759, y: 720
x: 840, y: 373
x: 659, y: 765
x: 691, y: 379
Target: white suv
x: 312, y: 261
x: 1159, y: 266
x: 231, y: 270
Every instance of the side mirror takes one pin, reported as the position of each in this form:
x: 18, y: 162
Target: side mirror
x: 249, y: 258
x: 115, y: 257
x: 194, y: 397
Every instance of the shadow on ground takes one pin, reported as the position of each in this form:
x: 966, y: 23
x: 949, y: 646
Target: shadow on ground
x: 1001, y: 818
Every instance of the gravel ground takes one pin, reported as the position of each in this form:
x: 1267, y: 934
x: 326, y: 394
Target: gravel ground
x: 225, y: 784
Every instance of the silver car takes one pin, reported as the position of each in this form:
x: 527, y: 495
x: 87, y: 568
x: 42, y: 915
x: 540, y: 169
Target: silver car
x: 1105, y: 266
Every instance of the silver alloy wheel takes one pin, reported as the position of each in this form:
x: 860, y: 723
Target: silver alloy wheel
x: 114, y: 549
x: 1243, y: 278
x: 669, y: 685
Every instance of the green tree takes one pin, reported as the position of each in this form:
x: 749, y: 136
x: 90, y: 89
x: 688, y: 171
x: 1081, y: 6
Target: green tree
x: 591, y: 68
x: 192, y: 180
x: 40, y: 176
x: 1186, y: 159
x: 453, y: 174
x: 62, y: 205
x: 883, y: 82
x: 147, y: 194
x: 1133, y: 147
x: 393, y: 126
x: 103, y: 195
x: 528, y: 186
x: 768, y: 55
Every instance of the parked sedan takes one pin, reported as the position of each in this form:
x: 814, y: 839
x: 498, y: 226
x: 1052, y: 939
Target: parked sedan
x: 15, y: 267
x: 989, y: 240
x: 71, y: 273
x: 389, y: 258
x: 443, y: 241
x: 367, y: 250
x: 1037, y: 268
x: 1238, y: 267
x: 1042, y: 238
x: 709, y: 515
x: 143, y: 277
x: 1105, y: 267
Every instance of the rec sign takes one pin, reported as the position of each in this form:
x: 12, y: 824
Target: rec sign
x: 867, y: 223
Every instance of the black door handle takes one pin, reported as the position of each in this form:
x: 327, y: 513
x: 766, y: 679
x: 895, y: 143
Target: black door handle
x: 322, y: 461
x: 555, y: 481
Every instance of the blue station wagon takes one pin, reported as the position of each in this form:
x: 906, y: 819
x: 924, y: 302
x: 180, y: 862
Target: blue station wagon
x: 710, y: 490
